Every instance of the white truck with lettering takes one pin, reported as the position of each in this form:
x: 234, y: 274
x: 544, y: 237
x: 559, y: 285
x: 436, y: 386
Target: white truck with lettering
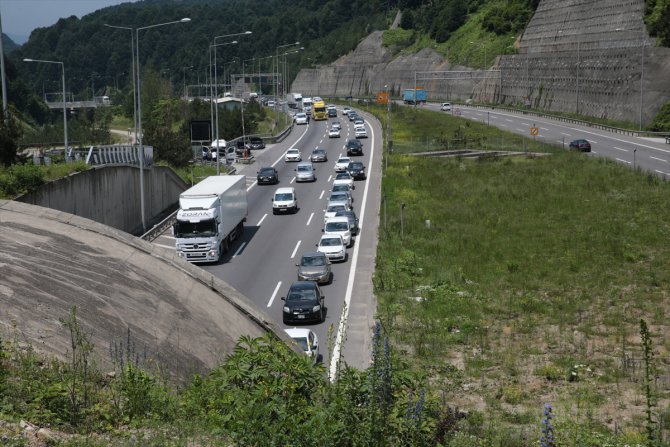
x: 211, y: 215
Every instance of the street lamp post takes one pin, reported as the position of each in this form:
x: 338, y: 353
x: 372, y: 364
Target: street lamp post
x: 62, y: 65
x: 277, y: 65
x: 132, y: 63
x: 139, y: 108
x: 402, y: 222
x: 215, y: 93
x: 183, y: 76
x: 216, y: 102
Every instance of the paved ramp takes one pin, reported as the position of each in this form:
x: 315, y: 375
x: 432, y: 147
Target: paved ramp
x: 177, y: 314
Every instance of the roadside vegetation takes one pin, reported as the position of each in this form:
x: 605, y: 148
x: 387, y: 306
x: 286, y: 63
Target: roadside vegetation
x: 521, y: 297
x: 528, y: 287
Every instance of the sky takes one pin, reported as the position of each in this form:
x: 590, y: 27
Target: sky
x: 20, y: 17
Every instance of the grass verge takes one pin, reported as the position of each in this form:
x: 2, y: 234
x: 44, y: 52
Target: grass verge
x: 529, y: 282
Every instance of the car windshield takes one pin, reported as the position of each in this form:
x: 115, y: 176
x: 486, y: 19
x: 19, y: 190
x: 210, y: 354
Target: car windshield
x: 266, y: 171
x: 302, y: 342
x: 330, y: 242
x: 313, y: 261
x: 304, y: 168
x: 342, y: 176
x: 186, y: 229
x: 284, y: 196
x: 340, y: 188
x: 338, y: 195
x: 356, y: 166
x: 300, y: 115
x: 332, y: 227
x: 292, y: 151
x: 335, y: 208
x: 343, y: 160
x: 301, y: 295
x: 318, y: 152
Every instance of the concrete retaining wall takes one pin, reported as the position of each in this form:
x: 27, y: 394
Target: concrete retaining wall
x: 592, y: 57
x: 111, y: 195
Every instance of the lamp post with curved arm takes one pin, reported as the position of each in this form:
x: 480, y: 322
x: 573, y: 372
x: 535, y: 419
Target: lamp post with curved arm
x: 62, y: 66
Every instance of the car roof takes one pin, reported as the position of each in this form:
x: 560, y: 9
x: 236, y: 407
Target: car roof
x: 298, y: 332
x: 284, y: 190
x: 293, y: 149
x: 337, y: 203
x: 332, y: 236
x: 305, y: 163
x: 266, y: 168
x: 337, y: 219
x: 313, y: 254
x: 344, y: 158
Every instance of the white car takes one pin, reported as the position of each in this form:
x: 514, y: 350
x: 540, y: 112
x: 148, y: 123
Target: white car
x: 342, y: 163
x: 333, y: 207
x: 360, y: 132
x: 445, y: 107
x: 307, y: 340
x: 293, y: 154
x: 305, y: 172
x: 284, y: 200
x: 344, y: 178
x: 271, y: 104
x: 345, y: 110
x: 334, y: 133
x: 341, y: 196
x: 339, y: 225
x: 301, y: 118
x: 336, y: 125
x: 333, y: 247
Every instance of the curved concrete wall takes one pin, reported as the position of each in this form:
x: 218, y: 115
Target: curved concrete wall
x: 111, y: 195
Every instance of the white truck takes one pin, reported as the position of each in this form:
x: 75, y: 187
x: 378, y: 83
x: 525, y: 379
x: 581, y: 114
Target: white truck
x: 307, y: 106
x: 294, y: 100
x: 211, y: 215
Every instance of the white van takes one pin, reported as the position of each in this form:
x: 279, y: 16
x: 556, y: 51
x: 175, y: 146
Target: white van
x: 284, y: 200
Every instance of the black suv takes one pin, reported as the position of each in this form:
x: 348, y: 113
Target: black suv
x: 356, y: 170
x: 580, y: 145
x: 303, y: 303
x: 354, y: 147
x: 256, y: 143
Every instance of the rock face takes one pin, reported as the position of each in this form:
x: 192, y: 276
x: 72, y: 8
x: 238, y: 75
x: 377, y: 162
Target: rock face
x: 592, y: 57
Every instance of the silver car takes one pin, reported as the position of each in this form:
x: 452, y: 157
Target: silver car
x: 305, y: 172
x: 315, y: 266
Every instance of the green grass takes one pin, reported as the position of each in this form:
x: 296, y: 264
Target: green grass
x: 531, y: 266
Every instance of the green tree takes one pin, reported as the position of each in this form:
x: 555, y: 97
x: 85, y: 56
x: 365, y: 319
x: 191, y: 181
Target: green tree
x: 10, y: 133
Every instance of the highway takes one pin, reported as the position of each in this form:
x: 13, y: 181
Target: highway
x: 262, y: 264
x: 648, y: 154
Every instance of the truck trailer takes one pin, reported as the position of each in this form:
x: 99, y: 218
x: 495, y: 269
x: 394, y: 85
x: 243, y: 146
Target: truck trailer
x: 414, y: 96
x: 211, y: 215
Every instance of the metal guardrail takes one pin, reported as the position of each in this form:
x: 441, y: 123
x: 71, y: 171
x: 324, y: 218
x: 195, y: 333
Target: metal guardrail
x: 119, y: 155
x: 160, y: 227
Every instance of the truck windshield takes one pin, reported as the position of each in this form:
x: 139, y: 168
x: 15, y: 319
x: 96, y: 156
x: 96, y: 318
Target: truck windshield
x: 205, y: 228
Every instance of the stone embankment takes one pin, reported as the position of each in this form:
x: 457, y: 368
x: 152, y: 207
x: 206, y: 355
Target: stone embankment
x: 592, y: 57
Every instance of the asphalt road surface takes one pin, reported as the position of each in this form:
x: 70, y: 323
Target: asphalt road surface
x: 261, y: 264
x: 648, y: 154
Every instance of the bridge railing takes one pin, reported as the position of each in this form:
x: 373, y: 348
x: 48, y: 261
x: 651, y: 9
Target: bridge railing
x: 119, y: 155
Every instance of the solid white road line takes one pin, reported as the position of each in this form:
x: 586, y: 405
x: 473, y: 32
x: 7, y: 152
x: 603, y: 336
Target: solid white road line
x: 274, y: 294
x: 620, y: 149
x: 296, y: 248
x: 623, y: 161
x: 342, y: 328
x: 262, y: 219
x: 239, y: 250
x: 310, y: 219
x: 566, y: 134
x: 661, y: 172
x: 659, y: 159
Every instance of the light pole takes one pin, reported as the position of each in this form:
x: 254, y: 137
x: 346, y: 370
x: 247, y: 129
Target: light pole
x: 214, y: 95
x: 183, y: 77
x: 62, y: 66
x: 277, y: 65
x: 644, y: 46
x: 139, y: 108
x: 132, y: 63
x: 216, y: 102
x: 137, y: 98
x: 285, y: 77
